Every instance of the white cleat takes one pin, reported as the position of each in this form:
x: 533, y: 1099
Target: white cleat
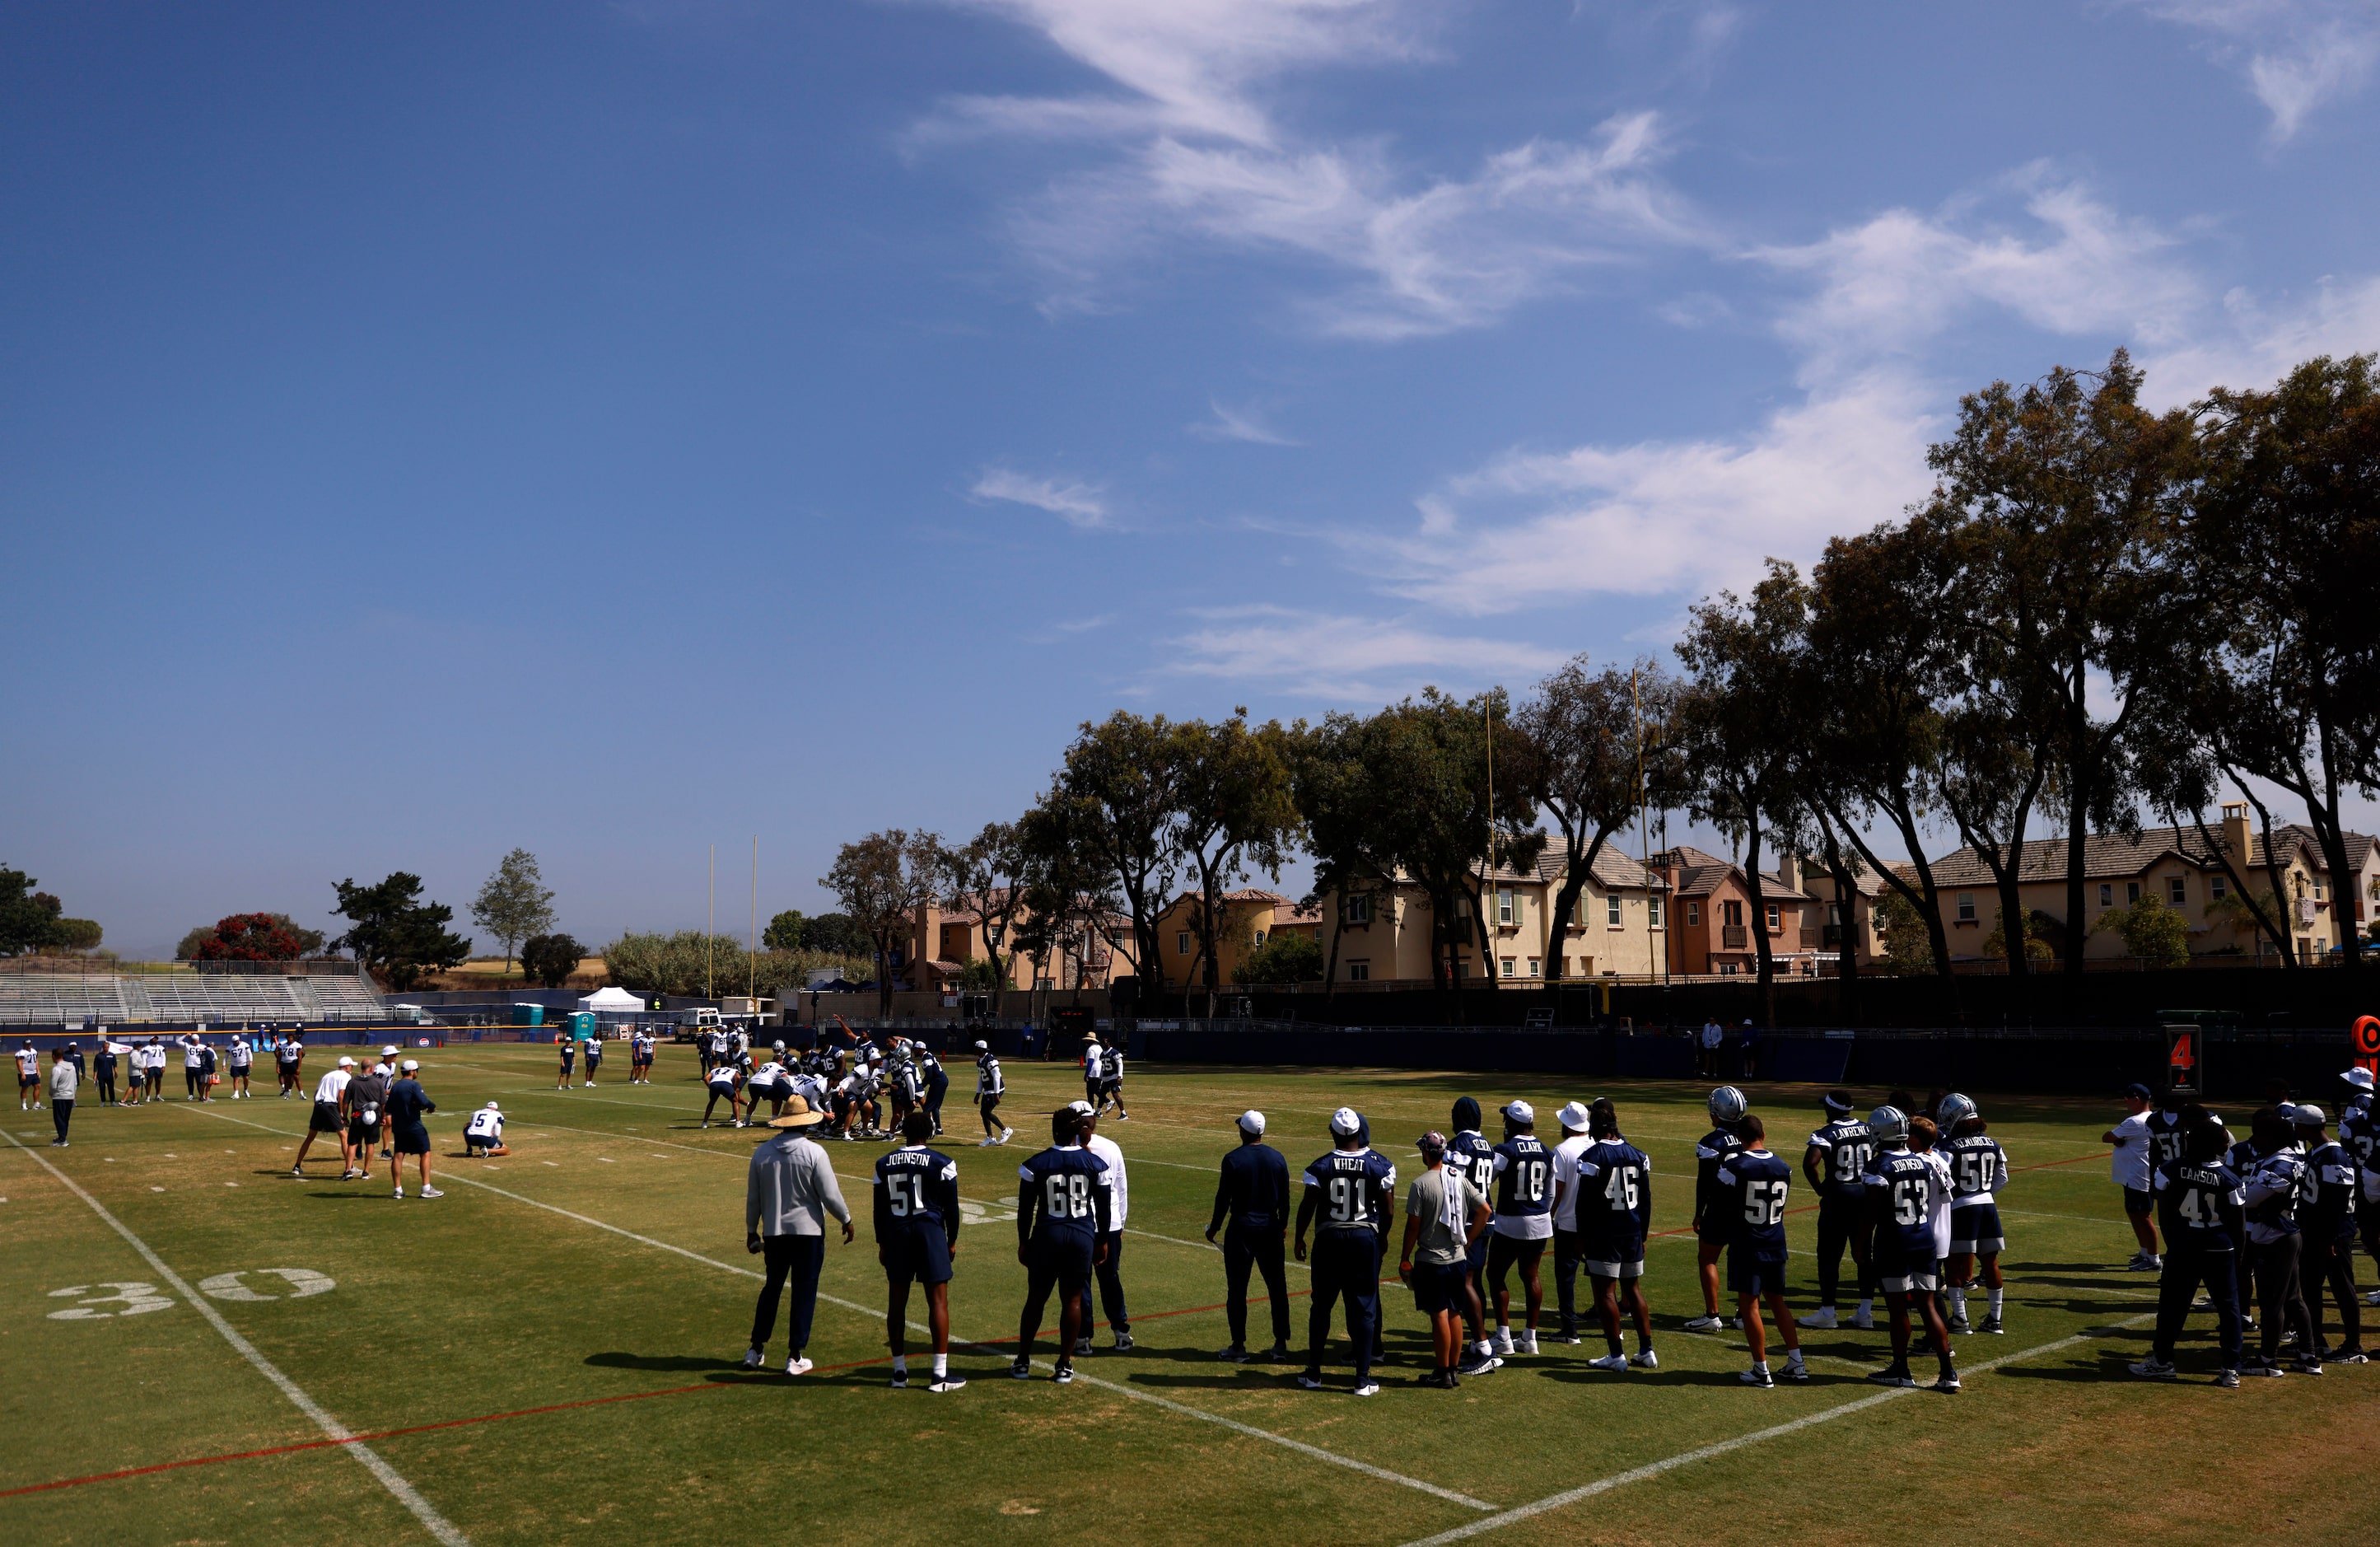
x: 797, y: 1366
x: 1647, y: 1359
x: 1616, y: 1363
x: 1705, y: 1325
x: 1823, y: 1318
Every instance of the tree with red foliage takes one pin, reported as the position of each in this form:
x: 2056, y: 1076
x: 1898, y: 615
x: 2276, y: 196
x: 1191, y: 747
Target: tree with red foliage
x: 252, y: 937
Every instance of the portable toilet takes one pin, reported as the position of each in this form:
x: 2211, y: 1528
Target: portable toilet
x: 582, y: 1026
x: 529, y: 1015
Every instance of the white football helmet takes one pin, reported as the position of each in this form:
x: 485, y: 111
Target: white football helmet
x: 1889, y: 1124
x: 1728, y: 1105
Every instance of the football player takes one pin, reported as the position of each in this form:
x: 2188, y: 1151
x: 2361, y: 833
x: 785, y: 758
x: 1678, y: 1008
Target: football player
x: 1904, y: 1191
x: 640, y: 1057
x: 2200, y: 1201
x: 1836, y: 1158
x: 484, y: 1134
x: 988, y: 1088
x: 2128, y: 1168
x: 1757, y: 1183
x: 290, y: 1063
x: 1615, y: 1211
x: 723, y: 1081
x: 937, y: 1084
x: 917, y: 1235
x: 2326, y: 1221
x: 1062, y: 1225
x: 1524, y: 1194
x: 1348, y: 1195
x: 1712, y: 1227
x: 771, y: 1082
x: 1109, y: 1269
x: 2274, y: 1246
x: 1469, y: 1151
x: 568, y: 1049
x: 1978, y: 1171
x: 2359, y: 1130
x: 1092, y: 1055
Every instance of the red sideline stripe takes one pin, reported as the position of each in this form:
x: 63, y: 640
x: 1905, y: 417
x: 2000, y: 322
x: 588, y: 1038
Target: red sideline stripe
x: 495, y: 1417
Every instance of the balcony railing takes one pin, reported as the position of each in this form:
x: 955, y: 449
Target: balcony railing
x: 1734, y: 936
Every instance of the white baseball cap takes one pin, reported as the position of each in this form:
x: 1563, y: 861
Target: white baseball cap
x: 1252, y: 1122
x: 493, y: 1107
x: 1344, y: 1122
x: 409, y: 1065
x: 1572, y: 1117
x: 1521, y: 1112
x: 346, y: 1063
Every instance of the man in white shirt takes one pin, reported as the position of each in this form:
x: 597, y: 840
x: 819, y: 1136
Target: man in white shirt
x: 1575, y: 1142
x: 330, y: 1117
x: 1711, y: 1038
x: 1107, y: 1270
x: 2129, y: 1168
x: 194, y: 1061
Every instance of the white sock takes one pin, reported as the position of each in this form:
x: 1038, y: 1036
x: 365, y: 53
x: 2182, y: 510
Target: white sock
x: 1761, y: 1365
x: 942, y: 1366
x: 1866, y: 1308
x: 1485, y: 1348
x: 1958, y: 1302
x: 1996, y: 1305
x: 900, y: 1364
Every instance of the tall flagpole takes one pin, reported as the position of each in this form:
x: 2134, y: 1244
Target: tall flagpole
x: 710, y: 928
x: 752, y: 943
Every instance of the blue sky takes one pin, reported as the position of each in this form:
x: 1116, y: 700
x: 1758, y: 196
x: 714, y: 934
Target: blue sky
x: 615, y: 431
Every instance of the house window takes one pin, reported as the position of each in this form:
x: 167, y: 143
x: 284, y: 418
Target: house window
x: 1505, y: 964
x: 2218, y: 887
x: 1504, y: 905
x: 2176, y: 891
x: 1537, y: 967
x: 893, y: 956
x: 2107, y: 895
x: 1835, y: 913
x: 1776, y: 919
x: 991, y: 934
x: 1181, y: 943
x: 1359, y: 908
x: 1653, y: 910
x: 1462, y: 971
x: 1259, y: 937
x: 1731, y: 912
x: 1694, y: 913
x: 1966, y: 907
x: 2317, y: 889
x: 2131, y: 892
x: 1611, y: 910
x: 1359, y: 971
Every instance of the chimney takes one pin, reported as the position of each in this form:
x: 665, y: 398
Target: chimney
x: 2235, y: 842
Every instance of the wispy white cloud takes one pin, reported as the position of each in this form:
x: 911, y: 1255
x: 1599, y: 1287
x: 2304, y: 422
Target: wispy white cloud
x: 1197, y: 154
x: 1344, y: 659
x: 2296, y: 55
x: 1081, y: 505
x: 1685, y: 516
x: 1228, y: 423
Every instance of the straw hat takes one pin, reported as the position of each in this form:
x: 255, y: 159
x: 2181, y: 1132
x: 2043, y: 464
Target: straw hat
x: 798, y: 1114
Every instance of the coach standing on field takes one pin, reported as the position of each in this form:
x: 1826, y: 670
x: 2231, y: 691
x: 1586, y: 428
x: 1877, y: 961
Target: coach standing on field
x: 63, y: 1081
x: 787, y: 1195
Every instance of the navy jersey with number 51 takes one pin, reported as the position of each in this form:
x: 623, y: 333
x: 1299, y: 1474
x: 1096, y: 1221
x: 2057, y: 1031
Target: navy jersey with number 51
x: 916, y: 1188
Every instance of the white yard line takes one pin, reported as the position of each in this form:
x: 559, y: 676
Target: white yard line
x: 403, y: 1492
x: 874, y: 1314
x: 1705, y: 1453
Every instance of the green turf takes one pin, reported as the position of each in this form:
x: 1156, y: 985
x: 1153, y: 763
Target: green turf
x: 484, y: 1302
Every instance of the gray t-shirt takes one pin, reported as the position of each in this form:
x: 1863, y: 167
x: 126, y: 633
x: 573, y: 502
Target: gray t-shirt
x: 368, y: 1090
x: 1441, y: 1240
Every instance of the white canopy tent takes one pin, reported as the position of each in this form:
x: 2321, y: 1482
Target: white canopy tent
x: 613, y: 1004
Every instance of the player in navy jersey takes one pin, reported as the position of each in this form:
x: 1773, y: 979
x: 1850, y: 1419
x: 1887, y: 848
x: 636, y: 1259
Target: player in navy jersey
x: 1978, y: 1171
x: 1838, y: 1154
x: 1348, y: 1196
x: 1757, y: 1183
x: 1468, y: 1152
x: 936, y: 1081
x: 1712, y: 1227
x: 724, y: 1081
x: 1061, y: 1223
x: 2326, y: 1220
x: 2164, y: 1123
x: 2359, y: 1130
x: 2200, y: 1202
x: 917, y: 1235
x: 2275, y: 1245
x: 1615, y: 1212
x: 990, y: 1086
x: 1524, y: 1223
x: 1904, y: 1191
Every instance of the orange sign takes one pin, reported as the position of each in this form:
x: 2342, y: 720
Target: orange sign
x: 2364, y: 1038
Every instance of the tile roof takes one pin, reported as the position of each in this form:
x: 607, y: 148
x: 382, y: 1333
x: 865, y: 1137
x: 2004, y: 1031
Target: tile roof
x: 2107, y: 856
x: 1700, y: 874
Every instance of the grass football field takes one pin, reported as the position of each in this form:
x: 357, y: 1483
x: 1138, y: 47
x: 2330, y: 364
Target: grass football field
x: 549, y: 1353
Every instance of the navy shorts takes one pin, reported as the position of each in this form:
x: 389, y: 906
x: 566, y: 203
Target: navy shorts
x: 1438, y: 1286
x: 1748, y: 1274
x: 920, y: 1255
x: 2138, y: 1202
x: 1613, y: 1257
x: 1474, y: 1256
x: 412, y: 1138
x: 326, y: 1117
x: 1976, y: 1228
x: 1716, y: 1228
x: 1507, y: 1252
x: 1063, y: 1257
x: 1902, y: 1273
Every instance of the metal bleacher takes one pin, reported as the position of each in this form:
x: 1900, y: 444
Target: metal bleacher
x: 134, y: 997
